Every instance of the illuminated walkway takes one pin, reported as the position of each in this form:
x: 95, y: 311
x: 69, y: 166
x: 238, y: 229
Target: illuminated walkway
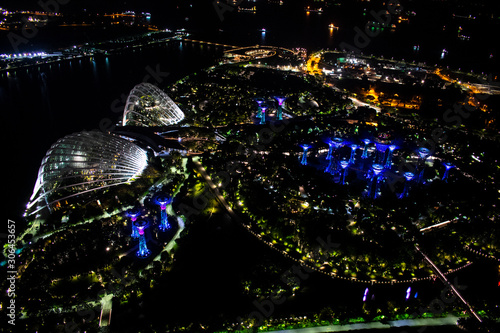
x: 106, y: 306
x: 446, y: 321
x: 443, y: 278
x: 202, y: 171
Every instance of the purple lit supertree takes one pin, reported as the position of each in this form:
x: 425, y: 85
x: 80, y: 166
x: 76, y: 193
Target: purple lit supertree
x: 305, y: 148
x: 448, y: 166
x: 134, y: 214
x: 365, y: 295
x: 343, y: 164
x: 408, y: 176
x: 365, y: 149
x: 163, y: 201
x: 388, y: 161
x: 143, y: 251
x: 353, y: 153
x: 263, y: 114
x: 280, y: 100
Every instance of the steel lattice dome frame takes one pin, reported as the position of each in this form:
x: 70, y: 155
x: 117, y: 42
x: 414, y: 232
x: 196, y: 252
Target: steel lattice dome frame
x: 82, y: 163
x: 148, y: 105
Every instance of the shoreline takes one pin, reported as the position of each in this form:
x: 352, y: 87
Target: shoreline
x: 449, y: 320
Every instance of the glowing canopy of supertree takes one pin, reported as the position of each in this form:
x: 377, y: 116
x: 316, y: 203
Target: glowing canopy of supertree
x: 423, y: 153
x: 447, y: 166
x: 280, y: 100
x: 134, y: 214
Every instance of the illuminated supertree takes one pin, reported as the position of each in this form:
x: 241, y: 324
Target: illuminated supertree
x: 163, y: 201
x: 374, y: 180
x: 353, y: 152
x: 408, y: 293
x: 448, y: 166
x: 365, y: 149
x: 280, y: 100
x: 408, y: 176
x: 423, y: 153
x: 134, y: 214
x: 365, y: 295
x: 263, y: 115
x: 343, y: 164
x: 332, y: 165
x: 381, y: 147
x: 388, y: 161
x: 259, y: 103
x: 303, y: 161
x: 143, y: 251
x: 330, y: 149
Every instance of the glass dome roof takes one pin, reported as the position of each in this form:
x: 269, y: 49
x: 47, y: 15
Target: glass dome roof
x: 82, y: 163
x: 147, y: 105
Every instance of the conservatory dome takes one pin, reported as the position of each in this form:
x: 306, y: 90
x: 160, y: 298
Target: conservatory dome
x: 147, y: 105
x: 82, y: 163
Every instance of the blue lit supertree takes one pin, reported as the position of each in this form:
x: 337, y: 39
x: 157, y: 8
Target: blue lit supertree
x: 353, y: 153
x: 134, y: 214
x: 381, y: 147
x: 143, y: 251
x: 330, y: 149
x: 365, y: 149
x: 332, y: 165
x: 423, y: 153
x: 259, y: 103
x: 448, y: 166
x: 374, y: 180
x: 388, y: 161
x: 343, y: 164
x: 280, y: 100
x: 408, y: 176
x: 163, y: 201
x: 305, y: 148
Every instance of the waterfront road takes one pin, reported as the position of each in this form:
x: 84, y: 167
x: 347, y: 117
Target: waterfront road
x: 446, y: 321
